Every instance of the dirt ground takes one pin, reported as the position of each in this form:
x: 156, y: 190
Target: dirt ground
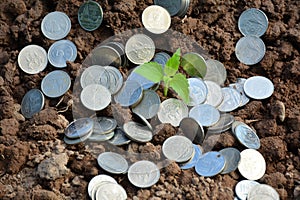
x: 26, y: 146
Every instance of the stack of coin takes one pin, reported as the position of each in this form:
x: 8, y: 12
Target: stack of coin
x: 215, y: 72
x: 103, y: 129
x: 79, y: 131
x: 174, y: 7
x: 239, y: 86
x: 137, y: 132
x: 130, y: 94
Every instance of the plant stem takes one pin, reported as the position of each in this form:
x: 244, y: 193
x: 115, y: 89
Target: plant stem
x: 165, y: 91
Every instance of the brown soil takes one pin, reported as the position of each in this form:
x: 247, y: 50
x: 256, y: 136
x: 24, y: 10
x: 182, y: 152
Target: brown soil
x: 27, y: 145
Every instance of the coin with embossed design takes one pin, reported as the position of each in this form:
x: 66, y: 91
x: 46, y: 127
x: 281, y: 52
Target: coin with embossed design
x: 112, y: 162
x: 231, y: 100
x: 243, y: 187
x: 90, y: 15
x: 61, y: 52
x: 263, y: 191
x: 104, y: 125
x: 247, y: 136
x: 130, y: 93
x: 99, y: 179
x: 94, y: 74
x: 239, y: 86
x: 197, y: 91
x: 205, y: 114
x: 115, y: 79
x: 32, y: 103
x: 210, y: 164
x: 137, y: 132
x: 111, y: 191
x: 214, y: 95
x: 79, y: 128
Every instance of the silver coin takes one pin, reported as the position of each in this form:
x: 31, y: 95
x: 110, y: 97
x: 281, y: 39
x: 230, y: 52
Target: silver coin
x: 172, y: 111
x: 192, y: 130
x: 56, y: 25
x: 95, y: 97
x: 210, y: 164
x: 194, y: 159
x: 149, y: 105
x: 106, y: 56
x: 172, y: 7
x: 130, y: 93
x: 205, y: 114
x: 140, y: 49
x: 258, y: 87
x: 197, y: 91
x: 231, y: 100
x: 115, y: 79
x: 145, y: 121
x: 78, y: 140
x: 250, y: 50
x: 234, y: 125
x: 178, y: 148
x: 32, y: 59
x: 119, y: 47
x: 215, y: 72
x: 143, y: 174
x: 232, y: 158
x: 214, y: 95
x: 241, y: 80
x: 60, y: 52
x: 252, y: 165
x: 98, y: 179
x: 243, y: 187
x: 222, y: 125
x: 253, y: 22
x: 246, y: 136
x: 161, y: 58
x: 79, y: 128
x: 240, y: 88
x: 56, y: 83
x: 32, y: 103
x: 183, y: 8
x: 94, y: 74
x: 119, y: 138
x: 112, y: 162
x: 96, y: 187
x: 90, y: 15
x: 263, y: 191
x: 104, y: 125
x: 137, y: 132
x: 145, y: 83
x: 101, y: 137
x: 111, y: 191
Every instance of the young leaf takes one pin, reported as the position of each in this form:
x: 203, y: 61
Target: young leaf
x: 151, y: 71
x: 181, y: 86
x: 172, y: 64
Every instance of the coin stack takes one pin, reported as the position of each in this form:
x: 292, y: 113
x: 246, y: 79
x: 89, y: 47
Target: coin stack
x: 174, y: 7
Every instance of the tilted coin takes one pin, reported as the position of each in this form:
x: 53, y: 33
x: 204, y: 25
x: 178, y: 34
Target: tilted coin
x: 90, y: 15
x: 194, y: 159
x: 98, y: 179
x: 111, y: 191
x: 205, y: 114
x: 143, y: 174
x: 252, y: 165
x: 243, y: 187
x: 104, y: 125
x: 192, y: 130
x: 139, y: 49
x: 145, y: 121
x: 215, y: 72
x: 60, y: 52
x: 231, y: 100
x: 79, y: 128
x: 172, y: 7
x: 197, y: 91
x: 232, y: 158
x: 214, y: 95
x: 56, y: 83
x: 258, y: 87
x: 130, y: 93
x: 234, y: 125
x: 263, y: 191
x: 145, y: 83
x: 210, y: 164
x: 149, y: 105
x: 112, y: 162
x: 96, y: 187
x: 106, y: 56
x: 32, y: 103
x: 101, y: 137
x: 222, y: 125
x: 119, y: 47
x: 253, y: 22
x: 178, y: 148
x: 161, y: 58
x: 250, y: 50
x: 32, y: 59
x: 240, y: 88
x: 115, y: 79
x: 56, y: 25
x: 77, y: 140
x: 119, y: 138
x: 94, y: 74
x: 137, y: 132
x: 156, y: 19
x: 183, y: 8
x: 194, y: 63
x: 246, y: 136
x: 95, y: 97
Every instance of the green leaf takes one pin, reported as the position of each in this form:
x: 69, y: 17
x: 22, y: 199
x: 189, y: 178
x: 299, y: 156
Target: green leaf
x: 181, y: 86
x: 172, y: 64
x: 194, y: 64
x: 151, y: 71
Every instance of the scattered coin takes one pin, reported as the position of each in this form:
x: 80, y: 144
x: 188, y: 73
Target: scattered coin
x: 246, y: 136
x: 172, y: 7
x: 231, y: 100
x: 119, y: 138
x: 253, y: 22
x: 172, y: 111
x: 258, y: 87
x: 214, y: 95
x: 32, y: 103
x: 77, y: 140
x: 56, y: 25
x: 143, y: 174
x: 94, y: 74
x: 130, y: 93
x: 90, y: 15
x: 79, y: 128
x: 222, y: 125
x: 60, y: 52
x: 56, y: 83
x: 205, y: 114
x: 234, y: 125
x: 95, y: 97
x: 106, y: 55
x: 156, y: 19
x: 178, y: 148
x: 210, y: 164
x: 183, y: 8
x: 252, y: 165
x: 240, y: 88
x: 113, y: 162
x: 145, y: 121
x: 192, y: 130
x: 262, y: 191
x: 32, y: 59
x: 197, y: 91
x: 137, y: 132
x: 194, y: 64
x: 115, y: 79
x: 104, y: 125
x: 101, y: 137
x: 250, y: 50
x: 111, y: 191
x: 243, y: 187
x: 194, y: 159
x: 119, y: 47
x: 232, y: 158
x: 98, y: 179
x: 215, y: 72
x: 161, y: 58
x: 145, y: 83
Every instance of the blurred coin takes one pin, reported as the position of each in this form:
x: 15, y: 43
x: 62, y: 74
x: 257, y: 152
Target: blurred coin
x: 32, y: 59
x: 79, y: 128
x: 232, y: 158
x: 253, y: 22
x: 192, y: 130
x: 222, y: 125
x: 137, y: 132
x: 156, y: 19
x: 252, y: 165
x: 130, y: 93
x: 98, y: 179
x: 77, y: 140
x: 243, y: 187
x: 214, y: 95
x: 106, y: 56
x: 101, y: 137
x: 197, y: 91
x: 143, y: 174
x: 183, y: 8
x: 94, y: 74
x: 145, y: 83
x: 95, y: 97
x: 56, y: 25
x: 194, y: 64
x: 262, y: 191
x: 104, y: 125
x: 119, y: 138
x: 139, y: 49
x: 215, y: 72
x: 210, y: 164
x: 161, y: 58
x: 115, y: 79
x: 172, y: 7
x: 112, y: 162
x: 258, y: 87
x: 145, y: 121
x: 32, y: 103
x: 172, y: 111
x: 250, y: 50
x: 194, y: 159
x: 247, y: 136
x: 119, y: 47
x: 205, y: 114
x: 60, y: 52
x: 90, y: 15
x: 96, y: 187
x: 240, y: 88
x: 178, y: 148
x: 231, y: 100
x: 56, y: 83
x: 111, y: 191
x: 234, y: 125
x: 241, y: 80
